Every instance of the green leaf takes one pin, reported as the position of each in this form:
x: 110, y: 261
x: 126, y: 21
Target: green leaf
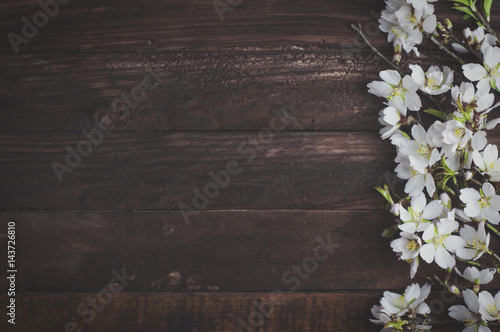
x: 384, y: 191
x: 458, y: 119
x: 464, y: 2
x: 467, y: 11
x: 436, y: 113
x: 487, y: 8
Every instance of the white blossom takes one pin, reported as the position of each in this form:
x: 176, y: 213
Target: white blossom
x: 483, y: 204
x: 391, y: 118
x: 477, y: 277
x: 421, y: 151
x: 469, y: 315
x: 416, y: 218
x: 489, y: 307
x: 488, y: 162
x: 477, y: 242
x: 416, y: 181
x: 488, y: 72
x: 477, y: 39
x: 440, y: 243
x: 412, y: 300
x: 434, y: 81
x: 401, y: 93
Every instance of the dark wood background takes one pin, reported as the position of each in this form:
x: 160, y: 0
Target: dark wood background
x: 221, y: 81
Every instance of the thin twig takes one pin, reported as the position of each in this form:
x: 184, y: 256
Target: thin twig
x: 493, y: 229
x: 357, y: 28
x: 476, y: 264
x: 493, y: 254
x: 443, y: 48
x: 476, y: 182
x: 487, y: 26
x: 450, y: 288
x: 468, y: 47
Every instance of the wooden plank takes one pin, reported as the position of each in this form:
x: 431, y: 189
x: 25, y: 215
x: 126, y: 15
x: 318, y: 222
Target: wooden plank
x: 231, y: 250
x: 187, y: 25
x: 191, y: 171
x: 195, y: 25
x: 192, y: 91
x: 161, y: 171
x: 314, y: 312
x: 204, y: 91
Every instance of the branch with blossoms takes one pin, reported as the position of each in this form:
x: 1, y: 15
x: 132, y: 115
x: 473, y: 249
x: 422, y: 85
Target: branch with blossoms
x: 450, y: 206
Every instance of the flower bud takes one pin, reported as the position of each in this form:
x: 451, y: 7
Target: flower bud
x: 468, y: 36
x: 440, y: 27
x: 476, y: 288
x: 454, y: 289
x: 468, y: 175
x: 445, y: 198
x: 397, y: 51
x: 448, y: 24
x: 395, y: 209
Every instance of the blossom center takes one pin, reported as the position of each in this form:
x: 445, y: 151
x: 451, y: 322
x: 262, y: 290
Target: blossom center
x: 492, y: 310
x: 476, y: 244
x: 459, y: 132
x: 484, y: 202
x: 412, y: 245
x: 423, y: 150
x: 400, y: 302
x: 439, y: 240
x: 416, y: 216
x: 431, y: 82
x: 397, y: 91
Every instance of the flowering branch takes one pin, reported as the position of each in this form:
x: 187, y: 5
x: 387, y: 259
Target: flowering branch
x: 443, y: 48
x: 451, y: 171
x: 481, y: 19
x: 493, y: 229
x: 357, y: 28
x: 466, y: 46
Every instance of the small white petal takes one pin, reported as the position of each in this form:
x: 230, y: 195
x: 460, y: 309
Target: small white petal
x: 474, y: 72
x: 390, y: 76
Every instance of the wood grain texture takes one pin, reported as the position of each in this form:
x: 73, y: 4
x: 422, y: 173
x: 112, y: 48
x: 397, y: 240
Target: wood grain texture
x: 189, y: 25
x: 234, y: 251
x: 201, y: 312
x: 180, y: 171
x: 205, y: 90
x: 158, y: 171
x: 146, y: 25
x: 196, y: 90
x: 231, y: 250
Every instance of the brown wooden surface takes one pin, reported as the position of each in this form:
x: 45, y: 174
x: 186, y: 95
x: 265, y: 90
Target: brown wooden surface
x: 157, y: 171
x: 343, y: 312
x: 221, y: 83
x: 203, y: 90
x: 232, y: 250
x: 148, y: 25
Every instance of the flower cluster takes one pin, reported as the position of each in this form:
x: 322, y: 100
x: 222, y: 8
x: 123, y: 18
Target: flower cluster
x: 406, y: 21
x: 396, y: 310
x: 450, y: 200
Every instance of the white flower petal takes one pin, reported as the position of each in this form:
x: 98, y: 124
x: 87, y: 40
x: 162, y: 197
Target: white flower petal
x: 390, y: 76
x: 474, y: 72
x: 427, y: 252
x: 432, y: 210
